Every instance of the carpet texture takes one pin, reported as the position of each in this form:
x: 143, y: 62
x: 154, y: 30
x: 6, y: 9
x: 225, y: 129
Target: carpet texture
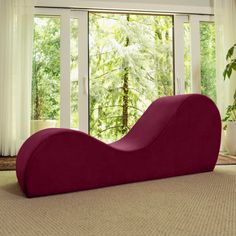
x: 201, y: 204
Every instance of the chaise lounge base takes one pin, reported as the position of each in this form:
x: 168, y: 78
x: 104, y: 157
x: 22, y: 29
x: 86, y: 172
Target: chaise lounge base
x: 177, y: 135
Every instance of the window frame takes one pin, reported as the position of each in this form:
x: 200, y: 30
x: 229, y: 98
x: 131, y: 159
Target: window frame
x: 194, y: 21
x: 82, y: 16
x: 65, y: 16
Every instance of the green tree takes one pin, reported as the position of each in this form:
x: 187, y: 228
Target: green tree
x: 46, y: 69
x: 131, y: 61
x: 208, y: 59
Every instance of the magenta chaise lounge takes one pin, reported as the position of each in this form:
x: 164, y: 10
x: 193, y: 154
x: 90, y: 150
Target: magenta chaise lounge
x: 177, y: 135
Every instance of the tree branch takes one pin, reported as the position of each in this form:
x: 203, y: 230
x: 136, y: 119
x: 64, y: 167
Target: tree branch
x: 99, y: 76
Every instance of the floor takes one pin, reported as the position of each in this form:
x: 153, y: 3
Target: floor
x: 192, y: 205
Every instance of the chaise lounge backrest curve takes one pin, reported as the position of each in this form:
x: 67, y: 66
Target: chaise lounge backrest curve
x: 177, y: 135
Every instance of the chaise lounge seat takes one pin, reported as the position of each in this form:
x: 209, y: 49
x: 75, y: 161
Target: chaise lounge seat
x: 177, y: 135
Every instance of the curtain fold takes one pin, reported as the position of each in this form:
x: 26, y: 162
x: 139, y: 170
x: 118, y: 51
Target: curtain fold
x: 225, y: 21
x: 16, y: 40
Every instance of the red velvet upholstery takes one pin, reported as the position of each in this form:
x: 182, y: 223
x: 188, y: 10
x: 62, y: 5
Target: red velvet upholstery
x: 177, y: 135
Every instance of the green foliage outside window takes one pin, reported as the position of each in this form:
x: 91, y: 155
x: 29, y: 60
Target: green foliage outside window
x: 46, y: 69
x: 208, y: 59
x: 131, y: 64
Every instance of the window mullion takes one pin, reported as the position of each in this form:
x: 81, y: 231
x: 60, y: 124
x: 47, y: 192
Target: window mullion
x: 65, y: 70
x: 179, y: 53
x: 83, y: 68
x: 195, y: 54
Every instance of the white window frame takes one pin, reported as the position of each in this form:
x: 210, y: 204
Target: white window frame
x: 139, y: 6
x: 194, y: 21
x: 65, y: 16
x: 83, y: 61
x: 65, y: 70
x: 83, y: 68
x: 179, y: 21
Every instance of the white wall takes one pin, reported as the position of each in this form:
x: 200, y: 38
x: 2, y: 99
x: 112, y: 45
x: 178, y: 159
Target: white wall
x: 188, y: 6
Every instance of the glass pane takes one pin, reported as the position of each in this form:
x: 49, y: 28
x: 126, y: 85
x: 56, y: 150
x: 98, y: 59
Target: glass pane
x: 208, y: 59
x: 46, y: 74
x: 187, y: 58
x: 74, y: 74
x: 131, y: 65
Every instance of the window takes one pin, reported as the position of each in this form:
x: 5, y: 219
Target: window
x: 99, y: 71
x: 187, y: 58
x: 45, y: 110
x: 131, y: 65
x: 208, y: 59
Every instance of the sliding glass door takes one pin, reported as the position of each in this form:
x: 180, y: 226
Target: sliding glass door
x: 99, y: 71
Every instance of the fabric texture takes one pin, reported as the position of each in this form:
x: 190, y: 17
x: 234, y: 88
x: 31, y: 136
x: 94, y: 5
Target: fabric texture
x: 159, y: 145
x: 16, y: 38
x: 194, y: 205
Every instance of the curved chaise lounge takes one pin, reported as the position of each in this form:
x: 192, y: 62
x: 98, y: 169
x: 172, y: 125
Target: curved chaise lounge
x: 177, y: 135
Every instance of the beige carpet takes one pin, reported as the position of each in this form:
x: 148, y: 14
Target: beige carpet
x: 202, y: 204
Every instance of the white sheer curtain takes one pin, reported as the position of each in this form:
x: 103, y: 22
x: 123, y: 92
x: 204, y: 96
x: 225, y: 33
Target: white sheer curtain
x: 225, y: 20
x: 16, y: 37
